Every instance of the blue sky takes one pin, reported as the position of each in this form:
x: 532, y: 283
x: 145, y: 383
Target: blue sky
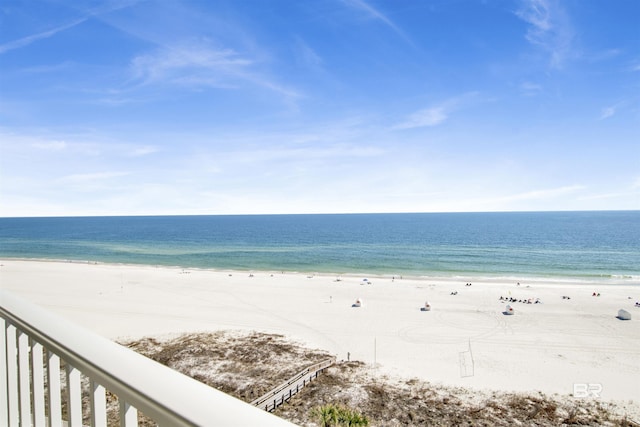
x: 272, y: 106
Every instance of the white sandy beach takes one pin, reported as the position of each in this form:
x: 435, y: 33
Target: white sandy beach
x: 547, y: 347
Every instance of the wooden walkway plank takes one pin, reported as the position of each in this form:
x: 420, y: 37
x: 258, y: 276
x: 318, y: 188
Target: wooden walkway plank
x: 286, y: 390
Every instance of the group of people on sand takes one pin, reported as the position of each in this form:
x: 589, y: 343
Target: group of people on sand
x: 456, y: 292
x: 524, y: 300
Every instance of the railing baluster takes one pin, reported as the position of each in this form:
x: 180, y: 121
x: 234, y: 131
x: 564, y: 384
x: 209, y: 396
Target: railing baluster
x: 37, y: 381
x: 4, y: 398
x: 74, y: 397
x: 12, y: 376
x: 98, y: 405
x: 54, y: 402
x: 128, y: 415
x: 24, y: 378
x: 166, y: 396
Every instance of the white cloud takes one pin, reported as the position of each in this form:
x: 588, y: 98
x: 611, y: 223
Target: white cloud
x: 51, y: 145
x: 377, y: 15
x: 311, y: 153
x: 437, y: 114
x: 424, y: 118
x: 95, y: 12
x: 530, y: 88
x: 73, y: 147
x: 607, y: 112
x: 614, y: 195
x: 604, y: 55
x: 197, y: 65
x: 536, y: 13
x: 543, y: 194
x: 612, y: 110
x: 25, y: 41
x: 143, y: 151
x: 549, y: 29
x: 77, y: 185
x: 91, y: 177
x: 307, y: 55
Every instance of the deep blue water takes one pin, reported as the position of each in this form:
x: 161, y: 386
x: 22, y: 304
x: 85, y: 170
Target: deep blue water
x: 563, y: 244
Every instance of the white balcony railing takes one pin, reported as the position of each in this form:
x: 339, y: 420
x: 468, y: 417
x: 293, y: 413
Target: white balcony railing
x: 34, y: 342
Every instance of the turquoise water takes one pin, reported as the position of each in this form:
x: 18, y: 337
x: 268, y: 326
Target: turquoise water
x: 582, y: 245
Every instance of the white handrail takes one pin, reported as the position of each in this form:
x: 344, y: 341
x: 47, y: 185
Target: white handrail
x: 167, y: 396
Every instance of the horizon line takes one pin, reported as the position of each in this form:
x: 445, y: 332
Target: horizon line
x: 317, y: 213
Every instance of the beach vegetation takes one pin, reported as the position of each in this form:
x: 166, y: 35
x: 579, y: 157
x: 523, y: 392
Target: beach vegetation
x: 326, y: 415
x: 331, y: 415
x: 247, y: 365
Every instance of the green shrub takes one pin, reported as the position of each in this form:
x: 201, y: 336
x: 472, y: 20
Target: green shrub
x: 334, y: 415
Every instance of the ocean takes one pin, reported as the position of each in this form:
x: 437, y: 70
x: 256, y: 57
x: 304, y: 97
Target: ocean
x: 603, y: 246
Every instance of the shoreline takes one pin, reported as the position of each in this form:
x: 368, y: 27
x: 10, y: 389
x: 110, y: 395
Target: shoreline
x: 545, y: 347
x: 607, y: 280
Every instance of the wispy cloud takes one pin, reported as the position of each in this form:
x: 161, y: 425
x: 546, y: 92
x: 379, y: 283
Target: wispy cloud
x: 51, y: 145
x: 98, y: 184
x: 53, y: 68
x: 424, y: 118
x: 549, y: 29
x: 143, y: 151
x: 530, y: 88
x: 436, y: 114
x: 373, y: 13
x: 614, y: 195
x: 189, y: 65
x: 543, y: 194
x: 607, y: 112
x: 630, y: 192
x: 518, y: 200
x: 94, y: 12
x: 25, y: 41
x: 199, y: 65
x: 73, y: 146
x: 91, y: 177
x: 604, y: 55
x: 613, y: 109
x: 306, y: 154
x: 307, y: 56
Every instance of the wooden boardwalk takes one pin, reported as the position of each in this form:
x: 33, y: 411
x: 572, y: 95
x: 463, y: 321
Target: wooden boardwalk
x: 283, y: 392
